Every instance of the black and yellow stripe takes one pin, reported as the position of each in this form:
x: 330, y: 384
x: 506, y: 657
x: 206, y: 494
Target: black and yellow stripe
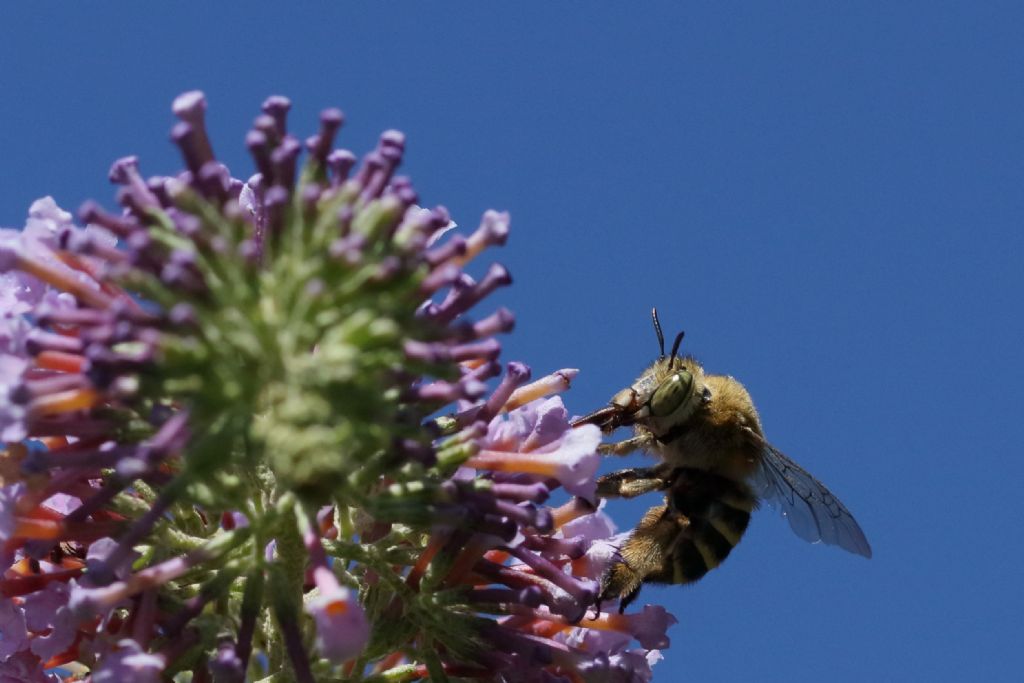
x: 704, y: 517
x: 719, y: 512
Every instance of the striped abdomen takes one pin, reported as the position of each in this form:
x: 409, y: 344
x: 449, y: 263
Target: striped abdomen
x: 703, y: 517
x: 718, y: 511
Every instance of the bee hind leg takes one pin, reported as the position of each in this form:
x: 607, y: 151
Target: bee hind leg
x: 644, y: 555
x: 622, y: 583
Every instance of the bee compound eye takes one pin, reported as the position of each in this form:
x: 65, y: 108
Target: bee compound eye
x: 671, y: 394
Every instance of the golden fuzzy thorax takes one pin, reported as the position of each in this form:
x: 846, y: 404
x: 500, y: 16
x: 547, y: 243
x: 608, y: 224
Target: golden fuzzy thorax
x: 721, y: 435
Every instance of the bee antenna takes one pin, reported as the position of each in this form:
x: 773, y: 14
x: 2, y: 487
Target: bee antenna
x: 675, y: 347
x: 657, y: 331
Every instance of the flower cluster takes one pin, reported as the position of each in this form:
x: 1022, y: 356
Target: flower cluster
x: 223, y: 452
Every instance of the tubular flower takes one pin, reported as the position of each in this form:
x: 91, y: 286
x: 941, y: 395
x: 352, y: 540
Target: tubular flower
x: 223, y: 455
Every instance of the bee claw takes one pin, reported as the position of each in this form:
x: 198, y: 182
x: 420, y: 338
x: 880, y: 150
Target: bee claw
x: 624, y: 600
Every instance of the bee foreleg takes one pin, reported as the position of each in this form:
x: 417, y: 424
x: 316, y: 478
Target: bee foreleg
x: 634, y: 482
x: 635, y: 443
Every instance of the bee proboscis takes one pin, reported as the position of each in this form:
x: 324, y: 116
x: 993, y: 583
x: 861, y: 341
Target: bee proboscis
x: 715, y: 467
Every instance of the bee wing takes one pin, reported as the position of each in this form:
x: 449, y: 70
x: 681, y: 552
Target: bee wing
x: 812, y: 511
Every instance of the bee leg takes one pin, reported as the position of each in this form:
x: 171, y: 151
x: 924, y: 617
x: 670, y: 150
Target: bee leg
x: 645, y: 553
x: 635, y: 443
x: 620, y: 581
x: 606, y: 418
x: 634, y: 482
x: 624, y: 602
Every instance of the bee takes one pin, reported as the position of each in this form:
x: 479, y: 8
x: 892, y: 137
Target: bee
x: 715, y: 468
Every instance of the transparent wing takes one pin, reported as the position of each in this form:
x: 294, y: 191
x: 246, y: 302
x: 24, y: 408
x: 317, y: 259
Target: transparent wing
x: 810, y: 508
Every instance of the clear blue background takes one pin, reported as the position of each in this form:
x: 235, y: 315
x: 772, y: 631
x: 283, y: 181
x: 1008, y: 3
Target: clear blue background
x: 828, y: 197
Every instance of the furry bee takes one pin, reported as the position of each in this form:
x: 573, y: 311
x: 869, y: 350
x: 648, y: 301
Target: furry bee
x: 716, y: 466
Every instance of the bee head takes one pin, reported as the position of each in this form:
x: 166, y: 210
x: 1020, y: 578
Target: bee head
x: 671, y: 397
x: 665, y: 395
x: 658, y: 400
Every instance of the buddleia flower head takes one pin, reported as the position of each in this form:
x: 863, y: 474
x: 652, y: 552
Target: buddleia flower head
x: 259, y: 428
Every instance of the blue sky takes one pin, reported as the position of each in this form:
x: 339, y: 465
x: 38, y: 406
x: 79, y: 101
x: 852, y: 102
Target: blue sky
x: 827, y: 199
